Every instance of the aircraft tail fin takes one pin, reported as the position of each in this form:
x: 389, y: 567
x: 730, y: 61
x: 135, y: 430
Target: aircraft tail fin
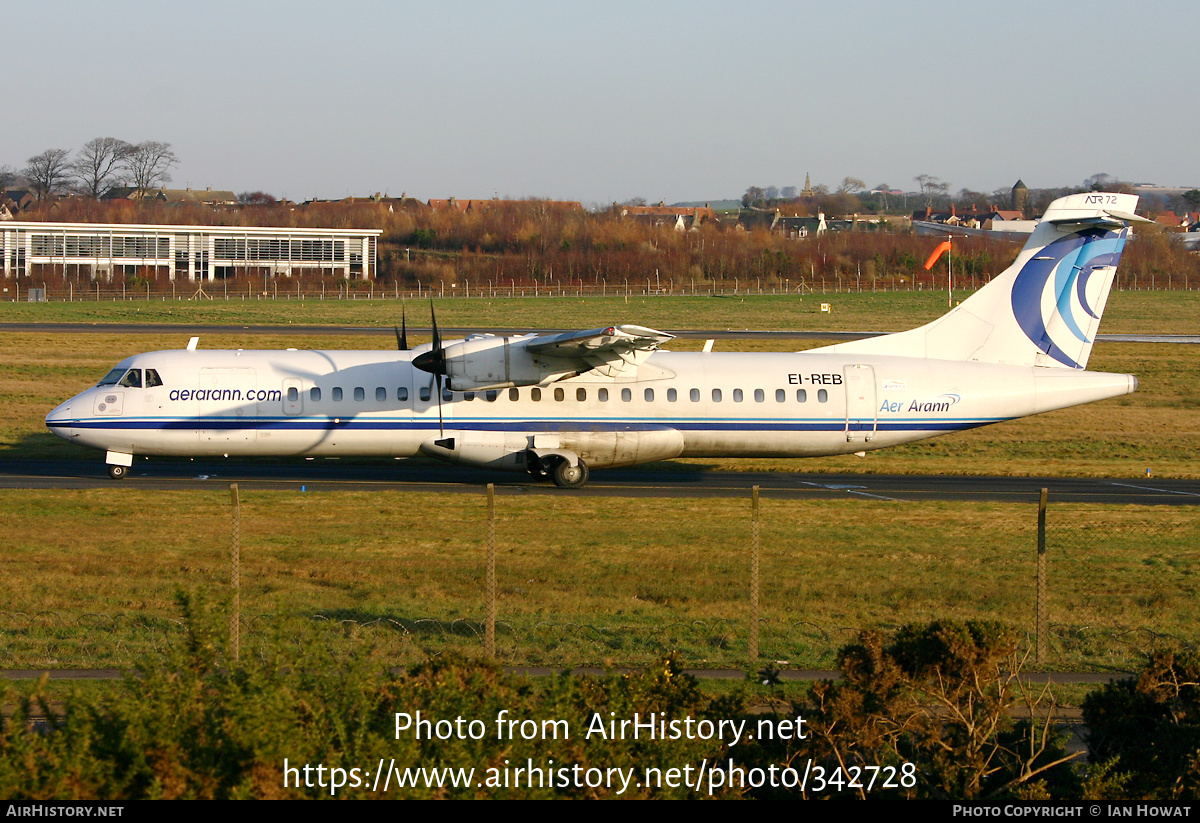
x: 1044, y: 309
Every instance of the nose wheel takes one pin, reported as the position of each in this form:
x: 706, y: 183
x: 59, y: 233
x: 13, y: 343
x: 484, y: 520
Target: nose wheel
x: 567, y: 476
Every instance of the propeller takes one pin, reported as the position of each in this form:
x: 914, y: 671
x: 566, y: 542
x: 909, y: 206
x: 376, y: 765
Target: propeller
x: 434, y: 362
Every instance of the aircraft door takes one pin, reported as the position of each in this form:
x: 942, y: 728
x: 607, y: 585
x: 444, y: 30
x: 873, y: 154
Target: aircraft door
x: 293, y: 396
x: 862, y: 416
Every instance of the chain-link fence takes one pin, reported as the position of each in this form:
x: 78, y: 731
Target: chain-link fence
x: 1118, y: 581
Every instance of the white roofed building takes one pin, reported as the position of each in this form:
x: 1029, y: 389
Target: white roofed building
x: 186, y: 252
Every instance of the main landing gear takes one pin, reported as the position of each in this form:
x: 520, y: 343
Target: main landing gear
x: 117, y: 472
x: 559, y: 469
x: 567, y: 476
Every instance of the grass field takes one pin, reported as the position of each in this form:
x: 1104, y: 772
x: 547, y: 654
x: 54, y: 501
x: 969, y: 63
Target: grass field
x: 1128, y: 312
x: 92, y: 575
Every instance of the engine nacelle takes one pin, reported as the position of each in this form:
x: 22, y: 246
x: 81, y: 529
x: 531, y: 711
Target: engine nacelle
x: 513, y: 451
x: 504, y: 451
x: 496, y: 363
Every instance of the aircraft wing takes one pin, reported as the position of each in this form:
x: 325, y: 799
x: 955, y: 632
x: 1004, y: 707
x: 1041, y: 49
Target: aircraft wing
x: 618, y: 340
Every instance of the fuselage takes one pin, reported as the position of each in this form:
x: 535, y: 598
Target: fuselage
x: 703, y: 404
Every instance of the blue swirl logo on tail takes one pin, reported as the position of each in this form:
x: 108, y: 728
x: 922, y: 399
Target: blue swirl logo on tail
x: 1065, y: 265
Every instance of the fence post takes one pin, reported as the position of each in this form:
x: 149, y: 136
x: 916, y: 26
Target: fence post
x: 1042, y: 616
x: 235, y: 573
x: 489, y: 627
x: 754, y: 547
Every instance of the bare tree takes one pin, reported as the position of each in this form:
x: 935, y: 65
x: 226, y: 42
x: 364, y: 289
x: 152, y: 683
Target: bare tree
x: 850, y: 185
x: 8, y: 176
x: 47, y: 172
x: 931, y: 187
x: 883, y: 189
x: 99, y: 165
x: 257, y: 198
x: 1099, y: 182
x: 149, y: 164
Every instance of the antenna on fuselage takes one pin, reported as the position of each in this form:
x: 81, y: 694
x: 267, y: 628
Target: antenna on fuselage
x: 195, y: 341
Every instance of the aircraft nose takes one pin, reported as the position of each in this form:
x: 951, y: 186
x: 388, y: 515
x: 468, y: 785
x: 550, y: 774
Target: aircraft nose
x: 60, y: 415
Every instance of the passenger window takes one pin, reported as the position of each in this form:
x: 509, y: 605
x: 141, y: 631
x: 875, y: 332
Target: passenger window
x: 152, y: 378
x: 559, y: 395
x: 337, y: 393
x: 626, y: 395
x: 695, y: 395
x: 132, y: 379
x: 425, y: 394
x: 293, y: 394
x: 581, y: 395
x: 780, y: 396
x: 514, y: 395
x: 402, y: 394
x: 716, y: 395
x: 672, y: 395
x: 801, y: 395
x: 822, y: 396
x: 737, y: 395
x: 535, y: 394
x: 649, y: 395
x: 314, y: 394
x: 381, y: 394
x: 603, y: 395
x: 447, y: 395
x: 490, y: 395
x: 759, y: 396
x: 468, y: 395
x: 360, y: 394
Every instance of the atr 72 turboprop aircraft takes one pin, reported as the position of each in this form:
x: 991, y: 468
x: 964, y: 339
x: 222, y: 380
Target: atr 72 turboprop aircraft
x: 559, y: 405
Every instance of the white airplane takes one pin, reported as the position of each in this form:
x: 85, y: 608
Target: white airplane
x: 559, y: 405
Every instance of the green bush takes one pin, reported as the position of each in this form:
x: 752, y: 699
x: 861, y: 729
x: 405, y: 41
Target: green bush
x: 198, y: 727
x: 1147, y: 729
x: 940, y: 696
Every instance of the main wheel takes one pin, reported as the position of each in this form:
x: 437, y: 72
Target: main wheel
x: 117, y: 472
x: 567, y: 476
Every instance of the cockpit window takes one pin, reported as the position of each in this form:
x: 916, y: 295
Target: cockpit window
x: 152, y: 378
x: 112, y: 378
x: 132, y: 379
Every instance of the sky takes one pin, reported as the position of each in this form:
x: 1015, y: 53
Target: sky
x: 603, y: 101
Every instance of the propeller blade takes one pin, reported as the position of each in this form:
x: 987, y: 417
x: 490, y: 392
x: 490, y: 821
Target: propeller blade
x: 437, y: 339
x: 434, y: 360
x: 402, y: 332
x: 438, y: 363
x: 441, y: 425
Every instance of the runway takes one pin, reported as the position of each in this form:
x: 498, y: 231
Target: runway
x: 654, y: 480
x: 354, y: 331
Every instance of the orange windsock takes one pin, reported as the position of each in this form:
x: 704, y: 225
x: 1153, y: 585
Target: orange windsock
x: 942, y: 248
